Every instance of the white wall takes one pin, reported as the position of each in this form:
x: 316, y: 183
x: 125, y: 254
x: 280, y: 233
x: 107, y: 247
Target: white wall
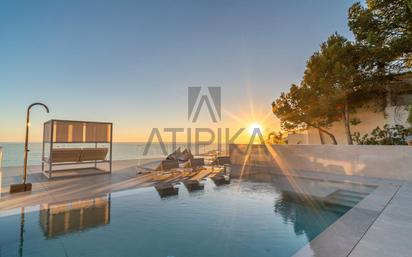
x: 369, y: 121
x: 389, y: 162
x: 298, y: 139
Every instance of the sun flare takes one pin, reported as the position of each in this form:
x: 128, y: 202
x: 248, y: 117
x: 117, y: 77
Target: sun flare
x: 254, y: 126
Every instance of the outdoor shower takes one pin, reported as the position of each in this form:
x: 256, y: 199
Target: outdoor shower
x: 26, y: 186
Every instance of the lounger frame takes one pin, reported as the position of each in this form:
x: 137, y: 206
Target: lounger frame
x: 103, y: 134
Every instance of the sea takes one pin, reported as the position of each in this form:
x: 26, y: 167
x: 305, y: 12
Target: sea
x: 13, y: 153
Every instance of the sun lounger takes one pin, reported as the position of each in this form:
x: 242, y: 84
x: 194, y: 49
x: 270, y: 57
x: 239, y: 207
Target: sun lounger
x: 193, y: 185
x: 168, y: 165
x: 174, y: 155
x: 61, y: 139
x: 197, y: 162
x: 185, y: 156
x: 93, y: 154
x: 76, y: 155
x: 221, y: 160
x: 166, y: 189
x: 181, y: 156
x: 59, y: 155
x: 220, y: 179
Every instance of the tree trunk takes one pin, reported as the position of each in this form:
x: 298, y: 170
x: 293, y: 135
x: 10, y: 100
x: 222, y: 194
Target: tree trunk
x: 332, y: 137
x: 321, y: 137
x: 346, y: 119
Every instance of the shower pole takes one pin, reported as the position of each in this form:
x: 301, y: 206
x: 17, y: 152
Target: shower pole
x: 26, y: 186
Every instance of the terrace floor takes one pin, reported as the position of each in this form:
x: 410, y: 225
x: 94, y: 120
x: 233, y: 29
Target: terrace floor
x: 66, y: 188
x: 379, y: 225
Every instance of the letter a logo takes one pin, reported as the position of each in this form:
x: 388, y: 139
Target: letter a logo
x: 212, y: 101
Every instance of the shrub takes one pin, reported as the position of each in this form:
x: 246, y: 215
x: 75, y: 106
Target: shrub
x: 410, y: 115
x: 389, y: 135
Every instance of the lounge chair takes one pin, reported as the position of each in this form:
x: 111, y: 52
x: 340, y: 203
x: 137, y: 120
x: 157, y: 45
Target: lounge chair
x: 60, y: 155
x: 221, y: 160
x: 168, y: 165
x: 196, y: 163
x: 93, y: 154
x: 166, y: 189
x: 185, y: 156
x: 221, y: 179
x: 193, y: 185
x: 174, y: 155
x: 76, y: 155
x: 181, y: 156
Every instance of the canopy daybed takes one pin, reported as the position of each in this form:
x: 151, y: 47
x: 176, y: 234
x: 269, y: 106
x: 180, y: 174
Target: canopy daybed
x: 69, y: 142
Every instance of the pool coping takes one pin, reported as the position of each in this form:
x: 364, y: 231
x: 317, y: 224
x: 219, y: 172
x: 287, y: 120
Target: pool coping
x: 344, y: 235
x: 340, y: 238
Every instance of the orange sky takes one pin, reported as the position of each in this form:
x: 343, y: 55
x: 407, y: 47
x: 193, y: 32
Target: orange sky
x: 135, y: 131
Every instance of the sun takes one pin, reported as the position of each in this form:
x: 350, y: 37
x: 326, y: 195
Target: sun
x: 254, y: 126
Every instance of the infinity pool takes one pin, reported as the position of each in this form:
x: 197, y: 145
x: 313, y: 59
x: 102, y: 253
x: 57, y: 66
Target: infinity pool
x: 275, y: 217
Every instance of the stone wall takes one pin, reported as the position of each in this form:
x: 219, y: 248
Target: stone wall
x: 389, y: 162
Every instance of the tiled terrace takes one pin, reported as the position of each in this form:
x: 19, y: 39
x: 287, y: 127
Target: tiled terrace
x: 124, y: 176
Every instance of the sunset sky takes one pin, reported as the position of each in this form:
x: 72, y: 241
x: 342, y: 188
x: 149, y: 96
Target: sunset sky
x: 131, y: 62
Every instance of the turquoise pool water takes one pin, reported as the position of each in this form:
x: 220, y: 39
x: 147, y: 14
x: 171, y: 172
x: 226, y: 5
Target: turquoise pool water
x: 241, y: 219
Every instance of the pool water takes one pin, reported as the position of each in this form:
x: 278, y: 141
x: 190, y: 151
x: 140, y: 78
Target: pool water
x: 240, y: 219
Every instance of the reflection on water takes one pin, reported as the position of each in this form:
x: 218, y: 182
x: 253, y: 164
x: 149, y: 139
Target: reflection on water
x: 55, y: 219
x: 291, y: 207
x: 21, y: 242
x: 63, y: 218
